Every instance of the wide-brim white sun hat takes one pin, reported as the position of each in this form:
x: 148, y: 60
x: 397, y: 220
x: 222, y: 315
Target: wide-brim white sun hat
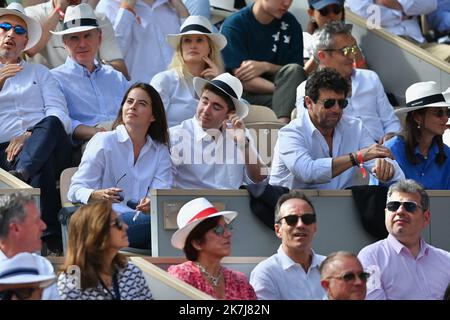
x: 197, y: 25
x: 191, y: 214
x: 423, y: 95
x: 24, y: 268
x: 34, y: 29
x: 78, y: 19
x: 230, y: 85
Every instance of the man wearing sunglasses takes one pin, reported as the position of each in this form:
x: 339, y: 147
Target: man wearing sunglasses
x: 335, y: 47
x: 404, y: 266
x: 320, y: 149
x: 293, y: 272
x: 343, y: 277
x: 34, y: 122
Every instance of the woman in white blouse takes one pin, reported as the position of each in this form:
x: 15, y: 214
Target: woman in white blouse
x: 124, y: 164
x: 197, y: 54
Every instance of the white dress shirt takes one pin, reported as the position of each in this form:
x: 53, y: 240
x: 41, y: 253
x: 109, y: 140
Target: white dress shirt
x: 394, y: 20
x: 142, y: 40
x: 202, y: 162
x: 302, y: 158
x: 45, y: 268
x: 177, y: 96
x: 280, y: 278
x: 108, y: 156
x: 27, y: 98
x: 368, y: 103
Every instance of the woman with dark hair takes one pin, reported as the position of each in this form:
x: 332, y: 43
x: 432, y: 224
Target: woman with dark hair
x: 124, y: 164
x: 321, y: 12
x: 204, y: 235
x: 420, y: 151
x: 96, y: 234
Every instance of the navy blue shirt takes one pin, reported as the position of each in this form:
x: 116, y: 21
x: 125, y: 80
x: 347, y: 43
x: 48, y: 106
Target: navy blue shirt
x: 279, y: 42
x: 427, y: 172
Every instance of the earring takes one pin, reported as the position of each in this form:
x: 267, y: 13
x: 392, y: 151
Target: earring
x: 418, y: 126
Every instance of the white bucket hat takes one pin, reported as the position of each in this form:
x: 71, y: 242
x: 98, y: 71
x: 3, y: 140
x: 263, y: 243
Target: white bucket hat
x: 78, y: 19
x: 24, y: 268
x: 34, y: 29
x: 191, y: 214
x: 423, y: 95
x: 229, y: 84
x: 197, y: 25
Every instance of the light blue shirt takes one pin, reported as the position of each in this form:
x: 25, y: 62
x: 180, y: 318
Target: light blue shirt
x: 302, y: 157
x: 280, y: 278
x: 27, y: 98
x: 91, y: 97
x: 440, y: 19
x: 108, y: 161
x: 397, y: 275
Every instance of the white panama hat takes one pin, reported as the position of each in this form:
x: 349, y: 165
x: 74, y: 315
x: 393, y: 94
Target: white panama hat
x: 191, y: 214
x: 78, y: 19
x: 197, y: 25
x: 230, y: 85
x: 24, y: 268
x: 34, y: 29
x: 423, y: 95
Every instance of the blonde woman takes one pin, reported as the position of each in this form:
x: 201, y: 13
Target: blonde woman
x: 96, y: 234
x: 197, y: 54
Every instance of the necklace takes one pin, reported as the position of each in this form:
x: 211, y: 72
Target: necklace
x: 213, y: 279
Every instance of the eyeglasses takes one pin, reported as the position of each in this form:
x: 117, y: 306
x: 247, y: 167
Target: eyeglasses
x: 17, y: 29
x: 330, y: 103
x: 292, y: 220
x: 440, y: 112
x: 351, y: 276
x: 117, y: 183
x: 328, y: 9
x: 219, y: 230
x: 345, y: 51
x: 409, y: 206
x: 20, y: 294
x: 117, y: 223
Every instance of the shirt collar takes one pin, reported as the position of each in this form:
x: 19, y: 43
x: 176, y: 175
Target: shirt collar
x: 78, y: 68
x: 431, y: 154
x: 398, y: 246
x: 199, y: 132
x: 122, y: 136
x: 287, y: 262
x: 308, y: 124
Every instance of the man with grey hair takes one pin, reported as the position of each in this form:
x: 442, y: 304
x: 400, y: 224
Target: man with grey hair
x: 293, y: 272
x: 21, y: 228
x: 403, y: 266
x: 343, y: 276
x: 335, y: 47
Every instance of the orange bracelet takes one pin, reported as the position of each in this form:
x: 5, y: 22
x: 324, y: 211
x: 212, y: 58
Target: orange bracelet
x: 361, y: 161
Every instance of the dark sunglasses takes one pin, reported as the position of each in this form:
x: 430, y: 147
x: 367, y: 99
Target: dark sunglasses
x: 327, y: 10
x: 292, y: 220
x: 408, y: 205
x: 219, y: 230
x: 330, y: 103
x: 441, y: 112
x: 117, y: 223
x: 351, y: 276
x: 21, y: 294
x: 17, y: 29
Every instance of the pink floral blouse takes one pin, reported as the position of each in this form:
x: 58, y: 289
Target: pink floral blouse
x: 237, y: 286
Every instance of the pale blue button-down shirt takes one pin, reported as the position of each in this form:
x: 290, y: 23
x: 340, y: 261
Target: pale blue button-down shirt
x: 108, y: 161
x: 302, y: 158
x: 91, y: 97
x: 280, y: 278
x: 28, y: 97
x: 397, y: 275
